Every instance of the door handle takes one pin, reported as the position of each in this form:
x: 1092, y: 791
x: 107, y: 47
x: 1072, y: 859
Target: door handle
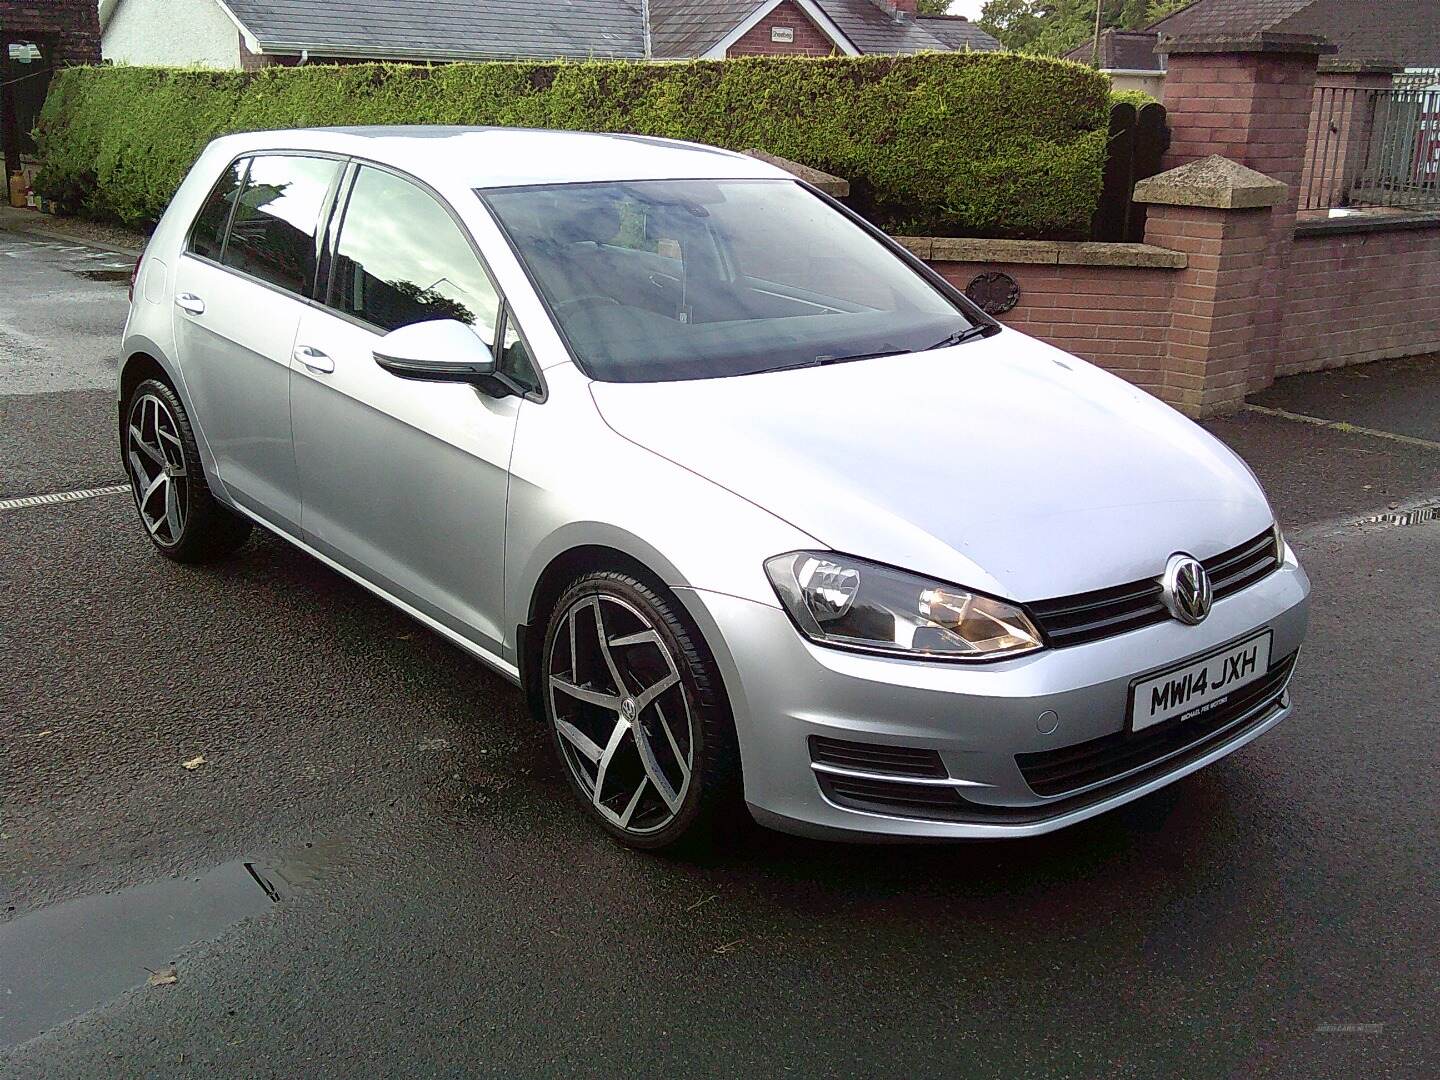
x: 186, y: 301
x: 314, y: 360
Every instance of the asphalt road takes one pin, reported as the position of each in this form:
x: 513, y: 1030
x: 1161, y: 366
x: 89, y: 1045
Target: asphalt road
x: 376, y: 869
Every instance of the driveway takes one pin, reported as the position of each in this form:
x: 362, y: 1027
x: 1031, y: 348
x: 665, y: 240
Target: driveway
x: 337, y: 847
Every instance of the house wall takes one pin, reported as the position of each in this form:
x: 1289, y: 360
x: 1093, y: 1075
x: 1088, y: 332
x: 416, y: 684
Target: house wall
x: 172, y: 33
x: 68, y: 32
x: 74, y: 24
x: 809, y: 41
x: 1154, y: 85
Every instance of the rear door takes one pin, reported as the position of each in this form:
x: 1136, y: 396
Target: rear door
x: 248, y: 270
x: 404, y: 482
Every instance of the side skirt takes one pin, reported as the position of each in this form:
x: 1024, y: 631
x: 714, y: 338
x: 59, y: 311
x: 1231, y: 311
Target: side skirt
x: 489, y: 659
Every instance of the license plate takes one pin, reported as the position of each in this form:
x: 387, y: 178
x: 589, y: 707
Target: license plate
x: 1199, y: 686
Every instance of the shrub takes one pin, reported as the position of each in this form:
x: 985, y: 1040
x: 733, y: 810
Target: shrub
x: 1138, y: 98
x: 962, y: 143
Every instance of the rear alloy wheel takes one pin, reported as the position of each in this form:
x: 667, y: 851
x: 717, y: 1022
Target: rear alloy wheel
x: 158, y: 472
x: 623, y: 692
x: 180, y: 515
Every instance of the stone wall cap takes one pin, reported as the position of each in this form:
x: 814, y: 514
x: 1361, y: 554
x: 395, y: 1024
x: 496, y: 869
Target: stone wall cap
x: 1345, y: 65
x: 836, y: 187
x: 1215, y: 182
x: 968, y: 249
x: 1266, y: 41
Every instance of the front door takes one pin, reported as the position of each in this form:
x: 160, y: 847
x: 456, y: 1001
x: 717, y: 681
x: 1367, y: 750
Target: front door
x: 404, y: 482
x: 240, y: 289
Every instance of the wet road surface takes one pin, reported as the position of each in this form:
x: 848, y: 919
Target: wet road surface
x: 436, y: 906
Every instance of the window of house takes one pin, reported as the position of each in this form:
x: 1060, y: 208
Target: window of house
x: 272, y: 236
x: 402, y: 259
x: 207, y: 235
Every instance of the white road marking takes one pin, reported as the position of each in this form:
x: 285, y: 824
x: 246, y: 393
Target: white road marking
x: 26, y: 501
x: 1340, y: 425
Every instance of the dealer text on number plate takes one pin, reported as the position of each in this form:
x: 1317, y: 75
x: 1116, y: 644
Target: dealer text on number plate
x: 1196, y: 688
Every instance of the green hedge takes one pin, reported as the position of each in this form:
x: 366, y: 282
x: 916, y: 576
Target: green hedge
x: 1138, y: 98
x: 972, y: 144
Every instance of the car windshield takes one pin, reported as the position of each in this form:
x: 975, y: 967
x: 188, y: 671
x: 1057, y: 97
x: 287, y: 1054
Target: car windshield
x: 661, y: 280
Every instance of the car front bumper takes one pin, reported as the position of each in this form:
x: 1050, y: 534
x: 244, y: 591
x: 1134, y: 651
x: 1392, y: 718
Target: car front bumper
x: 784, y: 690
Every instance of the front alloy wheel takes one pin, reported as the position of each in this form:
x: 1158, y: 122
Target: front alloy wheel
x: 647, y: 743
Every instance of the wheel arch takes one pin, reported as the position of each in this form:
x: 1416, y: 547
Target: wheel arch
x: 553, y: 578
x: 144, y: 359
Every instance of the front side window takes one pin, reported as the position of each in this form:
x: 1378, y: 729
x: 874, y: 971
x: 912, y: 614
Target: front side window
x: 207, y: 235
x: 689, y: 279
x: 513, y: 358
x: 272, y: 236
x: 402, y: 259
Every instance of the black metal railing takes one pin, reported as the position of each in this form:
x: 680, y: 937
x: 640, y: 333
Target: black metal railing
x: 1373, y: 148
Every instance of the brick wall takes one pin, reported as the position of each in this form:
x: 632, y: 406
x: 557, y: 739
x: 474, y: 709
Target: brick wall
x: 1356, y: 296
x: 73, y: 24
x: 809, y: 41
x: 1117, y: 317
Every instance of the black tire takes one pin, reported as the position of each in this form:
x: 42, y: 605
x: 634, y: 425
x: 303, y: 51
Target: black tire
x: 711, y: 804
x: 207, y: 530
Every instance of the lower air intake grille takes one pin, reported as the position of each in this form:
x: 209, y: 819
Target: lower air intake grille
x: 1070, y: 768
x: 930, y: 801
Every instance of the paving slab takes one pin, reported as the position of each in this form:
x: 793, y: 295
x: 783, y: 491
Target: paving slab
x: 1315, y: 473
x: 1400, y: 396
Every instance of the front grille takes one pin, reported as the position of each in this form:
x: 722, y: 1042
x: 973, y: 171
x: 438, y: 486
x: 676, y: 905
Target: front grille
x: 876, y: 757
x: 1070, y: 768
x: 1084, y: 617
x: 1242, y: 566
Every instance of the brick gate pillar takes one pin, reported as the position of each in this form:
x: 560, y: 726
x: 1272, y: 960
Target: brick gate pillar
x: 1248, y: 99
x: 1220, y: 214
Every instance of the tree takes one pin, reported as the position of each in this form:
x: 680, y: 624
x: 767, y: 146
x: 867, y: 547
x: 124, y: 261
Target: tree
x: 1158, y: 9
x: 934, y: 7
x: 1057, y: 26
x: 1015, y: 23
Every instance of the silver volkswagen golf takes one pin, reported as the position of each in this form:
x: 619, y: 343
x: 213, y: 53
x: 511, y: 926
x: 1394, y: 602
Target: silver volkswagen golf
x: 756, y: 509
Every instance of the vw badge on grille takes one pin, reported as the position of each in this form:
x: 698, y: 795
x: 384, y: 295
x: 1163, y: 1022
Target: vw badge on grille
x: 1185, y: 589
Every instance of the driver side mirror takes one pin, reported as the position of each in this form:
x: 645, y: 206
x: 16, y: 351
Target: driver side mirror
x: 441, y: 350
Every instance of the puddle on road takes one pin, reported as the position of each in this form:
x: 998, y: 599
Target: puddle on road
x: 118, y: 277
x: 66, y: 959
x: 1420, y: 516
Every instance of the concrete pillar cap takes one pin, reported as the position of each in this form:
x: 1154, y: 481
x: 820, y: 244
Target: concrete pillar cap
x: 1340, y: 65
x: 1271, y: 42
x: 1215, y: 182
x: 837, y: 187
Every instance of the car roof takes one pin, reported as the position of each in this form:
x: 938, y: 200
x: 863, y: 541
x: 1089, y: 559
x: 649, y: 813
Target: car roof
x: 481, y: 157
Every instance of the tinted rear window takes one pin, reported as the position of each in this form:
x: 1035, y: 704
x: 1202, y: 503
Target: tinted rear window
x: 272, y: 235
x: 207, y: 236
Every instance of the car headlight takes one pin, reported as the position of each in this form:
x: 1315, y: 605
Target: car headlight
x: 839, y: 600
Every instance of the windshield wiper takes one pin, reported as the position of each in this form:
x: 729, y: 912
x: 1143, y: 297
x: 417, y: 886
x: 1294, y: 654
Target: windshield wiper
x: 826, y: 358
x: 959, y: 337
